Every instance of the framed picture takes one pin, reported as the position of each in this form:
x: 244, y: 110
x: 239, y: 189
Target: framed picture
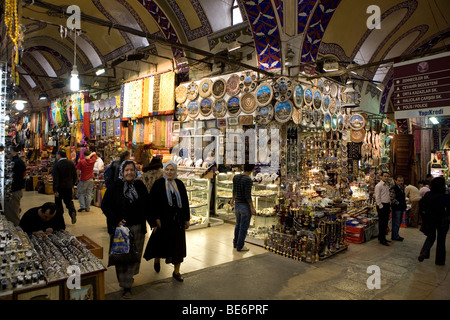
x: 246, y: 120
x: 98, y: 129
x: 92, y: 130
x: 211, y: 123
x: 221, y: 123
x: 104, y: 132
x: 176, y: 126
x: 110, y: 128
x: 117, y: 127
x: 39, y: 293
x: 233, y: 121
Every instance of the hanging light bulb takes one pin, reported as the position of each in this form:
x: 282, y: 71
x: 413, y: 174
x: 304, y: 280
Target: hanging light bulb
x: 74, y: 80
x: 19, y: 103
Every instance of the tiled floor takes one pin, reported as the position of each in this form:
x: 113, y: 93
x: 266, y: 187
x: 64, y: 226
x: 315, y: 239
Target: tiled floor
x: 211, y: 256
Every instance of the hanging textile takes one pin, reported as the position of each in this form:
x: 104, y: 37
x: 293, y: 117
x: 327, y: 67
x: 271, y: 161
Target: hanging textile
x: 169, y: 132
x: 147, y: 130
x: 151, y: 83
x: 167, y: 90
x: 156, y: 95
x: 133, y: 139
x: 145, y: 97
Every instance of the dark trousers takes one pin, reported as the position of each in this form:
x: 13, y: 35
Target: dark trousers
x: 66, y: 196
x: 441, y: 230
x: 383, y: 219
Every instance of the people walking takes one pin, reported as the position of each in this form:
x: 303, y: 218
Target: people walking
x: 383, y: 202
x: 125, y: 204
x: 413, y: 194
x: 85, y: 187
x: 169, y: 217
x: 398, y: 205
x: 12, y: 206
x: 152, y: 172
x: 435, y: 209
x: 64, y: 179
x: 243, y: 206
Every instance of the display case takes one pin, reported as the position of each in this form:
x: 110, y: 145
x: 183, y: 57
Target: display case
x: 198, y: 187
x: 224, y: 193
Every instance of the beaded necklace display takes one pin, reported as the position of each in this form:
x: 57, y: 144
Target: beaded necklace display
x: 13, y: 29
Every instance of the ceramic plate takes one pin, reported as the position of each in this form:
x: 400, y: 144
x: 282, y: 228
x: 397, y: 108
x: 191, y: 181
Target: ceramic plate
x: 282, y: 89
x: 181, y: 112
x: 327, y: 122
x: 233, y: 106
x: 283, y: 111
x: 357, y: 121
x: 192, y: 91
x: 264, y: 94
x: 297, y: 116
x: 205, y: 88
x: 340, y: 123
x: 193, y: 109
x: 358, y: 135
x: 205, y: 107
x: 298, y: 96
x: 308, y: 96
x: 264, y: 114
x: 219, y: 88
x: 247, y: 81
x: 219, y: 108
x: 233, y: 85
x: 96, y: 105
x: 334, y: 122
x: 248, y: 102
x: 112, y: 102
x: 180, y: 94
x: 326, y: 103
x: 317, y: 102
x: 102, y: 104
x: 333, y: 90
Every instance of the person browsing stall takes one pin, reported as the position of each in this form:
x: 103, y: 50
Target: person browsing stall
x: 85, y: 168
x: 41, y: 220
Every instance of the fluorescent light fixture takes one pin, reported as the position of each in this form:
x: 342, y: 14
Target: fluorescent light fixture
x: 74, y: 80
x: 100, y: 71
x: 434, y: 120
x: 43, y: 96
x: 19, y: 103
x: 380, y: 87
x: 331, y: 66
x: 182, y: 61
x: 233, y: 46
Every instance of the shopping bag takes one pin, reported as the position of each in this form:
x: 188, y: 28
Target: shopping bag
x: 123, y: 248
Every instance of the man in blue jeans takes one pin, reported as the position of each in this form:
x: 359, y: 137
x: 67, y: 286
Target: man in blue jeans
x: 243, y: 205
x: 398, y: 205
x: 85, y: 187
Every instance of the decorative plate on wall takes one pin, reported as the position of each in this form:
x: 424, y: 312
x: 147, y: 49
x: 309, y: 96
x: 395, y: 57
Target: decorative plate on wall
x: 308, y: 96
x: 340, y: 123
x: 219, y: 108
x: 327, y: 122
x: 248, y: 81
x: 327, y: 87
x: 333, y: 90
x: 193, y: 109
x: 283, y: 111
x: 96, y: 105
x: 264, y: 94
x: 357, y: 121
x: 102, y: 104
x: 233, y: 85
x: 319, y: 84
x: 219, y: 88
x: 332, y: 106
x: 317, y: 102
x: 205, y: 88
x: 334, y: 122
x: 282, y: 89
x: 192, y: 91
x: 181, y: 112
x: 358, y: 135
x: 233, y: 106
x: 248, y: 102
x: 205, y: 107
x: 298, y: 96
x: 246, y: 120
x: 264, y: 114
x: 326, y: 103
x: 297, y: 115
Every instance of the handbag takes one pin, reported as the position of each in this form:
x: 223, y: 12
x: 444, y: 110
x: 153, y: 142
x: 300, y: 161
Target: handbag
x: 122, y: 248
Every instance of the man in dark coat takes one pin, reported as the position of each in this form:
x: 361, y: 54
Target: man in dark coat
x: 64, y: 178
x: 12, y: 206
x: 41, y: 220
x: 398, y: 205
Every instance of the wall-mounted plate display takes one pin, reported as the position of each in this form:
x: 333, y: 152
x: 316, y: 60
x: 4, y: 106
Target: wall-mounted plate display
x: 102, y: 104
x: 332, y: 106
x: 320, y: 85
x: 233, y: 106
x: 248, y: 102
x: 327, y: 87
x: 283, y: 111
x: 298, y: 95
x: 357, y: 121
x: 327, y: 122
x: 326, y: 103
x: 340, y: 123
x: 205, y: 107
x: 308, y: 96
x: 193, y: 109
x: 317, y: 102
x: 219, y: 88
x: 96, y: 105
x: 219, y: 108
x: 333, y: 90
x: 358, y: 135
x: 297, y: 115
x: 205, y: 88
x: 192, y: 91
x: 264, y: 94
x: 264, y: 114
x: 247, y: 81
x: 233, y: 83
x: 181, y: 112
x: 282, y: 89
x: 334, y: 122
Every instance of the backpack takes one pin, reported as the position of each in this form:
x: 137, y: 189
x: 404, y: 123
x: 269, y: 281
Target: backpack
x: 108, y: 175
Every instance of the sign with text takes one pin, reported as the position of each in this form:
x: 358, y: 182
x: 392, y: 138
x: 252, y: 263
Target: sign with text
x: 422, y: 83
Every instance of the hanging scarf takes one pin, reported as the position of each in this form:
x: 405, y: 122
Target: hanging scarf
x: 171, y: 187
x: 129, y: 191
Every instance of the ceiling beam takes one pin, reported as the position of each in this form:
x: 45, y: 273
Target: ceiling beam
x: 106, y: 23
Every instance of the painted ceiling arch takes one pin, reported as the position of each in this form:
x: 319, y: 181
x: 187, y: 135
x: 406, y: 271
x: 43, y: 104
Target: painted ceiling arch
x: 313, y: 28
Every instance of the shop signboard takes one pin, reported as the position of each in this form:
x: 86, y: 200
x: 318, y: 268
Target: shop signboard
x: 422, y: 86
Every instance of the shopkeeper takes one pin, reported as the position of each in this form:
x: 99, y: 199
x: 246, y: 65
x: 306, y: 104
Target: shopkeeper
x: 41, y: 220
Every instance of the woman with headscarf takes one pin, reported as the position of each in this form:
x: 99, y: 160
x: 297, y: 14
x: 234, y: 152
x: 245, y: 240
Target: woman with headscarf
x: 169, y: 218
x: 152, y: 172
x: 125, y: 204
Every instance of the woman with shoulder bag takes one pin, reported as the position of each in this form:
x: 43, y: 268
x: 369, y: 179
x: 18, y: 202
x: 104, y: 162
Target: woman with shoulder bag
x: 124, y: 205
x: 169, y: 218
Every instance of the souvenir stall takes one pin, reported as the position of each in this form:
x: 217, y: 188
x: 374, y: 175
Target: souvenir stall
x: 316, y: 158
x: 40, y: 268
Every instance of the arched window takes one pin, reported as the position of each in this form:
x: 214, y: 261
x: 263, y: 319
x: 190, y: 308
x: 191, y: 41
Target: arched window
x: 236, y: 16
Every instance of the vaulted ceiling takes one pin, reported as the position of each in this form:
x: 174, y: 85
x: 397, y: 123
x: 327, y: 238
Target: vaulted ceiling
x: 127, y: 36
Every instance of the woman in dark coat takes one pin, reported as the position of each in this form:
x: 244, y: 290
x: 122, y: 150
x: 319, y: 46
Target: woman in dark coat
x: 435, y: 209
x: 169, y: 218
x: 125, y: 204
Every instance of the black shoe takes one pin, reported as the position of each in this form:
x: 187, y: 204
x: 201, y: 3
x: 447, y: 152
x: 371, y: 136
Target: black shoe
x: 81, y: 210
x: 398, y: 239
x: 178, y: 277
x: 127, y: 294
x: 74, y: 217
x: 157, y: 266
x: 384, y: 243
x: 421, y: 257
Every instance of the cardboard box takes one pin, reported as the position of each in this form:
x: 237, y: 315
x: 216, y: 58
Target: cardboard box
x: 93, y: 247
